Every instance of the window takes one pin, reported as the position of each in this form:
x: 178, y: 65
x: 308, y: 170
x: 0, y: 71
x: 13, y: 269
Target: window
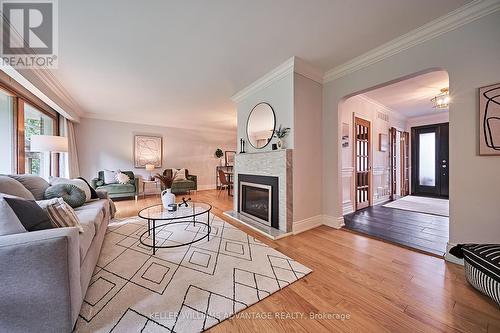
x: 427, y: 159
x: 7, y: 139
x: 37, y: 122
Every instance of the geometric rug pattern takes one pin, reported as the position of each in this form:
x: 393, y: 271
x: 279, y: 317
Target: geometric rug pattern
x: 184, y: 289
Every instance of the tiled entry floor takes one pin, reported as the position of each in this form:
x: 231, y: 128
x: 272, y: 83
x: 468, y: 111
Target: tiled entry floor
x: 422, y: 231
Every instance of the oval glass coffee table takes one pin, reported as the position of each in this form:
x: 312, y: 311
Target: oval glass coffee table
x: 157, y: 214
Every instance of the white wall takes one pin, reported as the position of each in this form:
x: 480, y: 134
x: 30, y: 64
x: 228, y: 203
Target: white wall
x: 362, y: 107
x: 105, y: 144
x: 470, y: 55
x: 307, y: 166
x: 438, y: 118
x: 279, y: 94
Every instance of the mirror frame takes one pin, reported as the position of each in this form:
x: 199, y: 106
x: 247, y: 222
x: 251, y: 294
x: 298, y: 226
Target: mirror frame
x: 274, y: 125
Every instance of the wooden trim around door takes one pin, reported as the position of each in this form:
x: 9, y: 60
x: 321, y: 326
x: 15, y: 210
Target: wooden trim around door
x: 21, y: 154
x: 362, y: 163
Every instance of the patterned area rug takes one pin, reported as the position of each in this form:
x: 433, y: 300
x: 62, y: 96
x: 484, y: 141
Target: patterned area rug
x: 184, y: 289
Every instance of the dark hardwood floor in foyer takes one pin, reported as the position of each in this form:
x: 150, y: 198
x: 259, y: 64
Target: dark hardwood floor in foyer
x: 425, y: 232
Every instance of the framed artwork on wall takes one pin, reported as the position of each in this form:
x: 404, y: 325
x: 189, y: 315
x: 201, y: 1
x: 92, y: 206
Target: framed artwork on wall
x: 147, y: 150
x: 489, y: 120
x: 345, y: 135
x: 383, y: 142
x: 229, y: 156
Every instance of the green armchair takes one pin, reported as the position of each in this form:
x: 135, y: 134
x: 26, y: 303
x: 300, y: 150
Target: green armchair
x: 131, y: 189
x: 183, y: 186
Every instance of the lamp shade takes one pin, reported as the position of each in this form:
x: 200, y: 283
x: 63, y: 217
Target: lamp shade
x: 50, y: 143
x: 150, y: 167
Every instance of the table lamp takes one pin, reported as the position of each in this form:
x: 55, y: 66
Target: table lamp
x: 50, y: 144
x: 150, y: 167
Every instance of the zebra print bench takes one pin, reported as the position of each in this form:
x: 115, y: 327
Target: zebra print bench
x: 482, y: 267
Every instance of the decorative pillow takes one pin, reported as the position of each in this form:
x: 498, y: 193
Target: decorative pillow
x: 10, y: 186
x: 482, y: 267
x: 179, y: 174
x: 9, y: 222
x: 93, y: 193
x: 60, y: 213
x: 31, y: 216
x: 122, y: 178
x: 109, y: 177
x: 81, y: 184
x: 71, y: 194
x: 33, y: 183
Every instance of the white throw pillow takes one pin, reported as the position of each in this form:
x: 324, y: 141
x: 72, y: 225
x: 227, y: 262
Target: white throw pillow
x: 109, y: 177
x: 9, y: 222
x: 122, y: 178
x: 179, y: 174
x: 81, y: 184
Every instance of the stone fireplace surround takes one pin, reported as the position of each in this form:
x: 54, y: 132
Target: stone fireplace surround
x: 276, y: 163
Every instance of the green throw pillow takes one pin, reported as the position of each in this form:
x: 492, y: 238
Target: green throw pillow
x: 70, y: 193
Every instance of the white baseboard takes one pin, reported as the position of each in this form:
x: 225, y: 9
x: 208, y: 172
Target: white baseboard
x: 347, y: 207
x: 333, y: 222
x: 316, y: 221
x: 450, y: 257
x: 307, y: 224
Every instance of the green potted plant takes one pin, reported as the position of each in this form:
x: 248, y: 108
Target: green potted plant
x: 219, y: 154
x: 280, y: 134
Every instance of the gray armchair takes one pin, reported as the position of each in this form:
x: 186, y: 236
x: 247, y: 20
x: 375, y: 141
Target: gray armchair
x: 116, y: 191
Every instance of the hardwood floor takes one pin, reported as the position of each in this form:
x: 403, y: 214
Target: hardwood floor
x: 425, y: 232
x: 382, y: 287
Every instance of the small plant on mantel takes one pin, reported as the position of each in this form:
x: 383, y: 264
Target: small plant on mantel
x: 280, y: 134
x: 165, y: 181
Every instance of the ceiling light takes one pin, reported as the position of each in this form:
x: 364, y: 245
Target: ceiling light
x: 441, y: 101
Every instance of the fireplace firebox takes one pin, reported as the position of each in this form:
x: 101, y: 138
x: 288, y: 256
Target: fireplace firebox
x: 258, y: 198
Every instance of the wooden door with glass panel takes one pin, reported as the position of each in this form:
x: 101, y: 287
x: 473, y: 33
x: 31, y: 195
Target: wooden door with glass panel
x: 362, y: 161
x: 399, y: 160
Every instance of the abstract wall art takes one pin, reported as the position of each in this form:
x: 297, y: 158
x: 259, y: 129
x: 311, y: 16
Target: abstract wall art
x: 147, y: 150
x: 489, y: 120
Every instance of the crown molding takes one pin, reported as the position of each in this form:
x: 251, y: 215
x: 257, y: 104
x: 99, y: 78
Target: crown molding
x: 117, y: 118
x: 265, y: 81
x: 23, y: 81
x: 46, y: 77
x: 451, y: 21
x: 307, y: 70
x: 294, y: 64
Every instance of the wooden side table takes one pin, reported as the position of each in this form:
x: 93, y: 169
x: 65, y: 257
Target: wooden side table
x: 144, y: 182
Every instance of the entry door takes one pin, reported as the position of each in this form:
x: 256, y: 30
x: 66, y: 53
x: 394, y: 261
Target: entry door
x: 430, y: 171
x: 362, y: 135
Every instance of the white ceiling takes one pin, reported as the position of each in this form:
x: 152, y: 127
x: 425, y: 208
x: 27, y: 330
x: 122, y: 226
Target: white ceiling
x: 411, y: 98
x: 176, y: 63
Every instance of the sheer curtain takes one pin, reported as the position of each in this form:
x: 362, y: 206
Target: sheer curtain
x: 68, y: 162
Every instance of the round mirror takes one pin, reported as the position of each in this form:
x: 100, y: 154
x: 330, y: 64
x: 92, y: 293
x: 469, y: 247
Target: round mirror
x: 260, y: 125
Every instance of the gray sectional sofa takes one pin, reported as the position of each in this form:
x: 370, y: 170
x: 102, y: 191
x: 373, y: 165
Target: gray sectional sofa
x: 45, y: 274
